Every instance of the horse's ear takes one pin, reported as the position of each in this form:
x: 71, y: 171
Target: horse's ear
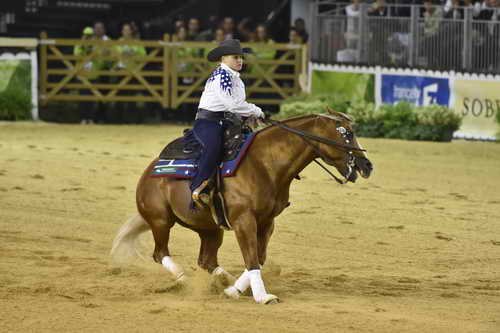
x: 330, y: 110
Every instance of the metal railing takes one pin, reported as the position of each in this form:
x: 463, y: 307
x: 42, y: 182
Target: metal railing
x: 453, y: 42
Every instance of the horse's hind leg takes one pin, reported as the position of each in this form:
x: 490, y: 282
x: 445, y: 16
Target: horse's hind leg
x: 210, y: 244
x: 160, y: 226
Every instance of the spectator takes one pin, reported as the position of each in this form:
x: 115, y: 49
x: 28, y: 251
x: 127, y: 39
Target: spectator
x: 219, y: 35
x: 263, y: 52
x: 432, y: 42
x: 352, y: 11
x: 135, y: 30
x: 100, y: 31
x: 193, y: 29
x: 486, y: 51
x: 245, y: 30
x: 104, y: 64
x: 209, y: 34
x: 454, y: 9
x: 403, y: 8
x: 228, y: 27
x: 380, y: 33
x: 294, y: 37
x: 128, y: 61
x: 179, y: 23
x: 432, y: 18
x: 300, y: 25
x: 86, y: 108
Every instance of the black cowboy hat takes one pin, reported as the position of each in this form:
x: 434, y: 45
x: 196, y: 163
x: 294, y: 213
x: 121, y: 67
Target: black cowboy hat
x: 226, y: 47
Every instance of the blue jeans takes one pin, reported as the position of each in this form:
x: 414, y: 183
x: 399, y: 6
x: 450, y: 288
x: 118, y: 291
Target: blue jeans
x: 210, y: 135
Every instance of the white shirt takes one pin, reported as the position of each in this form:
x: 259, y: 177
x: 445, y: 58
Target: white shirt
x: 225, y: 91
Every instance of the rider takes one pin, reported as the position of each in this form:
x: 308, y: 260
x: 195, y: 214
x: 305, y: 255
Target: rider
x: 223, y: 96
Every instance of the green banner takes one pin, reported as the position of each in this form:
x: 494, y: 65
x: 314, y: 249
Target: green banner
x: 350, y: 85
x: 15, y: 74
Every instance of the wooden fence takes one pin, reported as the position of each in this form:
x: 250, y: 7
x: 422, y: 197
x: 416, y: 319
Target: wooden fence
x: 168, y: 72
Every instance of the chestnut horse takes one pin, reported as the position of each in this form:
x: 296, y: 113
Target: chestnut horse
x: 254, y: 197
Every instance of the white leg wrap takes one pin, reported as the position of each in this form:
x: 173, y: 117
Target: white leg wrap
x: 243, y: 282
x: 173, y: 268
x: 258, y: 288
x: 239, y: 287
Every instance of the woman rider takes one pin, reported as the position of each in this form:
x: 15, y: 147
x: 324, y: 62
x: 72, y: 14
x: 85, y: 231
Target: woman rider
x: 224, y: 95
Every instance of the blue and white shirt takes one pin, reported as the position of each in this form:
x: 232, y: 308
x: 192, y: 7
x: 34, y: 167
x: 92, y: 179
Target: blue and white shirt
x: 225, y: 91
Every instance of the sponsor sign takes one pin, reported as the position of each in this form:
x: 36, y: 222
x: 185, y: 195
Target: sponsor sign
x: 417, y: 90
x: 479, y: 102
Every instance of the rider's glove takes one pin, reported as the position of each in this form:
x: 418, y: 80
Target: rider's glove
x: 259, y: 114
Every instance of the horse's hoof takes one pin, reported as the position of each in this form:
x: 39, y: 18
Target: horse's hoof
x: 232, y: 292
x: 270, y: 299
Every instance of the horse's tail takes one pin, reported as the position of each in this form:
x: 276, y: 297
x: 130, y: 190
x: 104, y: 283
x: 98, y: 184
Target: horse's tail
x: 124, y: 245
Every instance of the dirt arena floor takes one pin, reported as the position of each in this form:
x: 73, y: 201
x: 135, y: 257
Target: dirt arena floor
x: 415, y: 248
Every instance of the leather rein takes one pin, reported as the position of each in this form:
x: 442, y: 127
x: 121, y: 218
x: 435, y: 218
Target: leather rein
x: 307, y: 137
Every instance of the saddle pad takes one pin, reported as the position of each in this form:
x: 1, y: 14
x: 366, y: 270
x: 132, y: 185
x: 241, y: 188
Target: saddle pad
x: 185, y: 169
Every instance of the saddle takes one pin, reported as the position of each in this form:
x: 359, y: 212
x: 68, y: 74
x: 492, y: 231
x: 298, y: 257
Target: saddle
x: 187, y: 147
x: 178, y: 160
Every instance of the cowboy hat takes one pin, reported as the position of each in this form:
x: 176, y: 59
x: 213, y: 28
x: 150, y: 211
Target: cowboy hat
x: 226, y: 47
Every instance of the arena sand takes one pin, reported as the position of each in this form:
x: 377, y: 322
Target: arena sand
x: 415, y: 248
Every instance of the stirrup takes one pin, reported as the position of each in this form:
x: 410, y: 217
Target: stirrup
x: 198, y: 196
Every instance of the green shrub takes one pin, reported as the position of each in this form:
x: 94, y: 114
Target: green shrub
x: 399, y: 121
x: 15, y: 104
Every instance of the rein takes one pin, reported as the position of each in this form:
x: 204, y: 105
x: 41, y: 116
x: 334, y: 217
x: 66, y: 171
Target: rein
x: 313, y: 137
x: 305, y: 136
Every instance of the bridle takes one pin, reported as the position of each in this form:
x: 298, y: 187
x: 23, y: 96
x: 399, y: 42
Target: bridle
x: 308, y: 137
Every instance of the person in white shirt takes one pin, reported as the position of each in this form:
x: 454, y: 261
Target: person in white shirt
x: 223, y: 97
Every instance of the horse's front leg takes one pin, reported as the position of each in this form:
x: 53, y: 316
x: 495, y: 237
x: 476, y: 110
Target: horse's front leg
x: 265, y: 231
x: 245, y: 228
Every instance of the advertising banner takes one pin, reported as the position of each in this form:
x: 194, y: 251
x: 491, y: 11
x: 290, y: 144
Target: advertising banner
x: 348, y: 85
x: 418, y: 90
x: 479, y: 102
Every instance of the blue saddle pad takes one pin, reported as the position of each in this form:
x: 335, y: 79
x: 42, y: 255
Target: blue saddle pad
x: 185, y: 169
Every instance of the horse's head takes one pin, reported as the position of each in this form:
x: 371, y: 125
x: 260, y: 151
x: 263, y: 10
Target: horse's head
x: 337, y: 126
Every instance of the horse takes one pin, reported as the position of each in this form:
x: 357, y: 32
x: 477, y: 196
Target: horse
x: 254, y: 197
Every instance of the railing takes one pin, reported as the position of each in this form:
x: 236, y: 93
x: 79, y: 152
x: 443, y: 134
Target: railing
x: 170, y: 73
x: 404, y: 37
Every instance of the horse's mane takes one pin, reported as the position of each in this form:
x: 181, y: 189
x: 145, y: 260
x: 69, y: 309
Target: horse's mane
x: 338, y: 116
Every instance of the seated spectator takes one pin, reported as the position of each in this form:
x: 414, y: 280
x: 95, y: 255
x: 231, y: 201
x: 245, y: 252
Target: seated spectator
x: 179, y: 23
x: 228, y: 27
x: 294, y: 37
x: 193, y: 29
x: 100, y: 31
x: 208, y: 34
x: 300, y: 25
x: 245, y: 30
x: 219, y: 35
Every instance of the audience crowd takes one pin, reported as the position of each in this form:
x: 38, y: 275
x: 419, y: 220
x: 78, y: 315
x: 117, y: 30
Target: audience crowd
x: 215, y: 30
x: 440, y: 34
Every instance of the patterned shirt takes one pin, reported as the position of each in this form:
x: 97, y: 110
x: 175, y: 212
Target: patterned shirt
x: 225, y: 91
